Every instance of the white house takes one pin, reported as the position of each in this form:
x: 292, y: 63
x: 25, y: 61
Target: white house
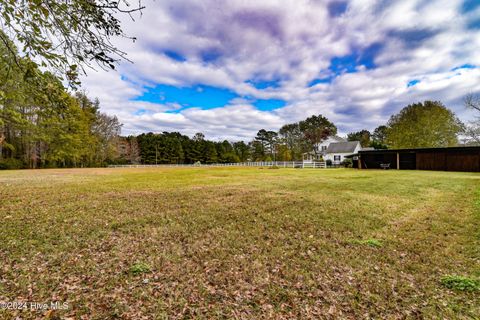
x: 333, y: 148
x: 337, y: 151
x: 322, y: 146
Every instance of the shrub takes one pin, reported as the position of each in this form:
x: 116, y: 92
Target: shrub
x: 460, y: 283
x: 329, y: 163
x: 347, y: 163
x: 231, y: 158
x: 120, y: 161
x: 11, y: 163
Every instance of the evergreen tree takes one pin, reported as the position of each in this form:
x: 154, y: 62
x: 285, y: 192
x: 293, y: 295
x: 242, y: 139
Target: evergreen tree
x: 257, y: 151
x: 242, y: 151
x: 210, y: 151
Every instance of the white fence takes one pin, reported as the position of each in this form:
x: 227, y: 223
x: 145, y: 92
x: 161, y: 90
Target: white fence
x: 281, y: 164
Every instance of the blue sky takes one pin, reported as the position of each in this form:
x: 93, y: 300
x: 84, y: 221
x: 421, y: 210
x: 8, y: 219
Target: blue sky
x: 230, y: 68
x: 205, y: 97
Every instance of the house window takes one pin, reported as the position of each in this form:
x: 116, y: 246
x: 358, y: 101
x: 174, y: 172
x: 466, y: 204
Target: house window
x: 337, y: 158
x: 324, y: 148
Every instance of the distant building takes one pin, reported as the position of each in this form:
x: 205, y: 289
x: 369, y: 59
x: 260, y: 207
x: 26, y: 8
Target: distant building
x: 333, y: 148
x: 337, y: 151
x: 323, y: 146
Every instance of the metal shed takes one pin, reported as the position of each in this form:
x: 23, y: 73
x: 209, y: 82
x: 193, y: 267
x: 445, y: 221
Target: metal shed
x: 440, y: 159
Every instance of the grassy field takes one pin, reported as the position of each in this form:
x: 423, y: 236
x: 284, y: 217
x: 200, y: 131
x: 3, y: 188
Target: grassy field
x: 241, y: 243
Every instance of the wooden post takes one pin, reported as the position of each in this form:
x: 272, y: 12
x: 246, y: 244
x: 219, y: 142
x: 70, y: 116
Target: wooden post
x: 398, y: 161
x: 359, y: 162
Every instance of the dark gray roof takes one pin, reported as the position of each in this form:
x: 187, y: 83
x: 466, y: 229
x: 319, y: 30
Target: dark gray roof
x: 342, y: 147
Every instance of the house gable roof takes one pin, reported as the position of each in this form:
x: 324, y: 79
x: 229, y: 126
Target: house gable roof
x: 337, y: 138
x: 342, y: 147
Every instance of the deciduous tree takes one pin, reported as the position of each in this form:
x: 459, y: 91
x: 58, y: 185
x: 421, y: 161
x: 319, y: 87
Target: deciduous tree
x: 427, y: 124
x: 472, y: 129
x: 65, y: 35
x: 363, y: 136
x: 294, y: 140
x: 316, y: 129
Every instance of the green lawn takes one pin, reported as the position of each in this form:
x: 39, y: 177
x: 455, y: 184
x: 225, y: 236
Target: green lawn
x: 241, y: 243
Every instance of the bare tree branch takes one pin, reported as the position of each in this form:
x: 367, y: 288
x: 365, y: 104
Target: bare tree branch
x: 472, y: 101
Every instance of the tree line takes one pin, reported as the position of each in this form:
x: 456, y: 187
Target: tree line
x: 423, y: 124
x: 173, y: 148
x: 44, y: 125
x: 288, y: 144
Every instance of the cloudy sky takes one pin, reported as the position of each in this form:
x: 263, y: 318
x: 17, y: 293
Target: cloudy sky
x: 230, y: 68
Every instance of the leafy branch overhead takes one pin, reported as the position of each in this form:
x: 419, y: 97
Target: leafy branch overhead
x: 66, y: 35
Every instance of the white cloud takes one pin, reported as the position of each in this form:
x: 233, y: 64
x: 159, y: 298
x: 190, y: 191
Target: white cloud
x: 228, y: 44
